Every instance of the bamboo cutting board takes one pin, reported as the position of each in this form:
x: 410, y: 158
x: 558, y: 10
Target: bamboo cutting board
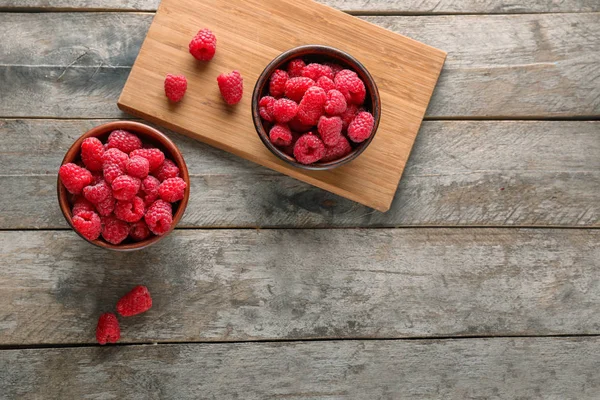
x: 250, y: 33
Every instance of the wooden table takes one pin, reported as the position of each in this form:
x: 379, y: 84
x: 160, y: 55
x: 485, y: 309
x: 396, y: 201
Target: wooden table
x: 482, y: 282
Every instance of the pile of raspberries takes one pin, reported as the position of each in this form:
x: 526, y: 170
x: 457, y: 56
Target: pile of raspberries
x: 122, y: 189
x: 315, y: 111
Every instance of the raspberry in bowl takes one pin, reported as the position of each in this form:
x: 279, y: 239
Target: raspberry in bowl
x: 123, y: 186
x: 316, y: 107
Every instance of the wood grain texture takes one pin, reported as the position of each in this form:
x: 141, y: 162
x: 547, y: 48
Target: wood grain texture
x: 496, y: 173
x: 498, y: 66
x: 519, y: 368
x: 233, y: 285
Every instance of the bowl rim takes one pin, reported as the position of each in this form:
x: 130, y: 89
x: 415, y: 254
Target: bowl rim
x: 142, y: 130
x: 324, y: 50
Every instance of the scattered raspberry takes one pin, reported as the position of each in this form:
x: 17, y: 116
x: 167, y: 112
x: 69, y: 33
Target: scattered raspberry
x: 295, y: 68
x: 172, y: 189
x: 74, y: 177
x: 284, y: 110
x: 335, y: 68
x: 154, y: 156
x: 297, y: 126
x: 231, y: 86
x: 175, y: 87
x: 97, y: 193
x: 340, y: 150
x: 330, y: 130
x: 311, y: 106
x: 130, y: 211
x: 150, y: 186
x: 92, y: 151
x: 87, y: 223
x: 309, y: 149
x: 296, y: 87
x: 135, y: 302
x: 106, y: 207
x: 348, y: 115
x: 159, y: 217
x: 124, y: 141
x: 138, y: 167
x: 351, y: 86
x: 336, y: 103
x: 314, y: 71
x: 115, y: 156
x: 81, y: 204
x: 361, y: 127
x: 112, y: 172
x: 265, y: 108
x: 168, y: 169
x: 277, y: 84
x: 203, y: 45
x: 280, y: 135
x: 114, y: 230
x: 139, y: 231
x: 125, y: 187
x: 108, y: 330
x: 325, y: 83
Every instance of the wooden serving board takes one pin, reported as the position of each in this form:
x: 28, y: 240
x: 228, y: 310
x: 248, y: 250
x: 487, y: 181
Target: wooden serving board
x: 250, y: 33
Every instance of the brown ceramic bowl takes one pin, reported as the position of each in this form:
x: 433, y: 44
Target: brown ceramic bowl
x: 147, y: 135
x: 321, y: 54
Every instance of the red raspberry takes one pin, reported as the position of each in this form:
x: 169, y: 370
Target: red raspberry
x: 97, y: 193
x: 135, y: 302
x: 115, y: 156
x: 81, y: 204
x: 97, y: 177
x: 87, y: 223
x: 92, y: 151
x: 277, y: 84
x: 340, y: 150
x: 348, y: 115
x: 309, y: 149
x: 330, y: 130
x: 336, y: 103
x: 112, y: 172
x: 138, y: 167
x: 296, y: 87
x: 159, y: 217
x: 175, y: 87
x: 154, y: 156
x: 139, y: 231
x: 125, y: 187
x: 114, y: 230
x: 351, y: 86
x: 124, y: 141
x: 203, y: 45
x: 74, y: 177
x: 295, y: 68
x: 325, y: 83
x: 106, y: 207
x: 172, y: 189
x: 168, y: 169
x: 361, y: 127
x: 335, y: 68
x: 130, y: 211
x: 314, y: 71
x: 280, y: 135
x: 108, y: 330
x: 150, y: 186
x: 284, y: 110
x: 265, y: 108
x: 231, y: 86
x: 311, y: 106
x: 297, y: 126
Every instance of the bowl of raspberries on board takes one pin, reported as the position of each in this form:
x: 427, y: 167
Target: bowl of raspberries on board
x: 316, y: 107
x: 123, y: 186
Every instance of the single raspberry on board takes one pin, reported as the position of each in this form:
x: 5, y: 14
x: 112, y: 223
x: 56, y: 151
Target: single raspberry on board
x: 314, y: 71
x: 311, y: 106
x: 204, y: 45
x: 154, y: 156
x: 280, y: 135
x: 115, y: 156
x: 74, y: 177
x: 107, y: 330
x: 361, y: 127
x: 330, y: 130
x: 81, y: 204
x: 114, y: 230
x: 277, y: 83
x: 138, y: 167
x: 168, y: 169
x: 341, y: 149
x: 139, y: 231
x: 172, y: 189
x: 112, y: 172
x: 231, y: 86
x: 295, y: 68
x: 351, y: 86
x: 175, y: 87
x: 124, y: 141
x: 97, y: 193
x: 296, y: 87
x: 336, y: 103
x: 135, y: 302
x: 325, y: 83
x: 88, y: 224
x: 159, y: 217
x: 284, y: 110
x: 149, y: 187
x: 125, y: 187
x: 348, y: 115
x: 106, y: 207
x: 92, y: 151
x: 265, y: 108
x: 309, y: 149
x: 130, y: 211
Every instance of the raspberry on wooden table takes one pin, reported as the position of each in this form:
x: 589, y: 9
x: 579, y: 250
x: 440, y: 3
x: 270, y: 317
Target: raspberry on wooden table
x: 138, y: 167
x: 341, y: 149
x: 172, y: 189
x: 135, y: 302
x: 296, y: 87
x: 168, y: 169
x: 88, y: 224
x: 265, y: 108
x: 295, y: 67
x: 154, y: 156
x: 284, y: 110
x: 311, y: 106
x: 149, y: 187
x: 361, y: 127
x: 330, y: 130
x: 124, y: 141
x: 139, y: 231
x: 125, y: 187
x: 97, y: 193
x: 74, y: 177
x: 159, y: 217
x: 92, y: 151
x: 81, y: 204
x: 114, y: 230
x: 107, y: 330
x: 314, y: 71
x: 175, y: 87
x: 117, y: 157
x: 231, y: 86
x: 309, y: 149
x: 280, y: 135
x: 336, y: 103
x: 130, y: 211
x: 204, y: 45
x: 325, y: 83
x: 277, y: 83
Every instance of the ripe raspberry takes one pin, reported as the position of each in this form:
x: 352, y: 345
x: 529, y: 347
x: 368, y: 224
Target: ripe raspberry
x: 114, y: 230
x: 203, y: 45
x: 231, y: 86
x: 284, y: 110
x: 106, y: 207
x: 330, y: 130
x: 130, y: 211
x: 159, y: 217
x: 311, y: 106
x: 341, y: 149
x: 168, y: 169
x: 277, y: 84
x: 336, y: 103
x: 351, y: 86
x: 295, y: 68
x: 175, y: 87
x: 108, y: 330
x: 97, y: 177
x: 335, y: 68
x: 325, y: 83
x: 139, y: 231
x: 124, y: 141
x: 297, y: 126
x: 97, y: 193
x: 87, y: 223
x: 149, y: 187
x: 81, y: 204
x: 135, y: 302
x: 361, y: 127
x: 112, y: 172
x: 348, y: 115
x: 125, y: 187
x: 280, y: 135
x: 138, y: 167
x: 314, y: 71
x: 296, y: 87
x: 74, y: 177
x: 92, y: 151
x: 172, y: 189
x: 309, y: 149
x: 265, y: 108
x: 115, y: 156
x: 154, y: 156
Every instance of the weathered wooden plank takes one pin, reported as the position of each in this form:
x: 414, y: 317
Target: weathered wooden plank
x: 222, y: 285
x: 487, y: 173
x: 498, y: 66
x: 502, y: 368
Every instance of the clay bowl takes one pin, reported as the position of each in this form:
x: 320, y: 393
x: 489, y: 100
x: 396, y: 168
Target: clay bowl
x: 147, y: 135
x: 321, y: 54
